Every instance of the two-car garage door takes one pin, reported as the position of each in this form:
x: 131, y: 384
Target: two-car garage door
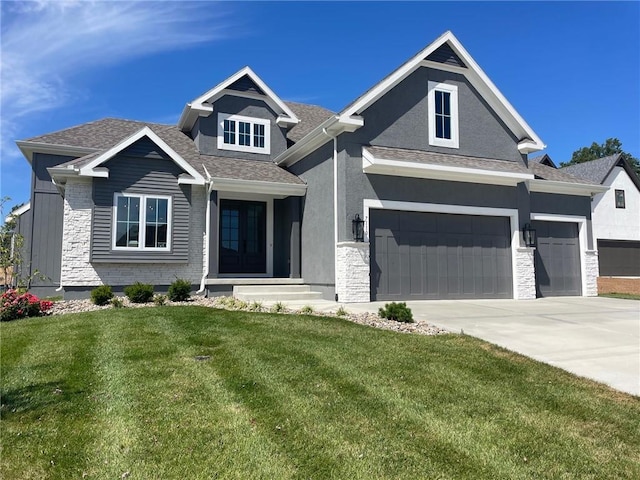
x: 416, y: 255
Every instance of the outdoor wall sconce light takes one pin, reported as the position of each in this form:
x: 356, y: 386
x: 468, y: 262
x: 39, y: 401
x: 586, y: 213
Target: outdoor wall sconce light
x: 529, y: 235
x: 357, y: 225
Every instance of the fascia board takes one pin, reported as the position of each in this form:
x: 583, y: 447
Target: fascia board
x: 29, y: 148
x: 314, y: 139
x: 218, y: 90
x: 92, y: 170
x: 554, y: 186
x: 256, y: 186
x: 380, y: 166
x: 18, y: 211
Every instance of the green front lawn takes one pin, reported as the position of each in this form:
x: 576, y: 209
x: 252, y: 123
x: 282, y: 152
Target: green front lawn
x: 190, y: 393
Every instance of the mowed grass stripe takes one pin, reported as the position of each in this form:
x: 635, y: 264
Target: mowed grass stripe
x: 50, y: 392
x: 306, y: 397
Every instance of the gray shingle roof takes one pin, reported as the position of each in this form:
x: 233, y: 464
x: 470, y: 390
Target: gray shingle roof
x: 594, y: 170
x: 544, y: 160
x: 446, y: 159
x: 104, y: 134
x: 310, y: 117
x: 549, y: 173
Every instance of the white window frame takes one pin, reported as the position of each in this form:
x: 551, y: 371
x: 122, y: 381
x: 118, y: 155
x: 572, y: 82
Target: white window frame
x: 452, y: 142
x: 143, y: 221
x: 244, y: 148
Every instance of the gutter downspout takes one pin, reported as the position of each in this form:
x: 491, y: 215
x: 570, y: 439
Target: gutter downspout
x: 207, y: 231
x: 335, y: 206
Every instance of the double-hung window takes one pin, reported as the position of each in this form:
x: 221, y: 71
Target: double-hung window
x: 243, y: 134
x: 442, y: 100
x: 141, y: 222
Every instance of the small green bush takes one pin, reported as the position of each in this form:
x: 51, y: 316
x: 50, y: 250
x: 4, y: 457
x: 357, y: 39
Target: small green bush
x: 159, y: 300
x: 139, y: 292
x: 342, y: 312
x: 117, y: 302
x: 306, y: 310
x: 396, y: 311
x: 179, y: 291
x: 101, y: 295
x: 278, y: 308
x: 255, y: 306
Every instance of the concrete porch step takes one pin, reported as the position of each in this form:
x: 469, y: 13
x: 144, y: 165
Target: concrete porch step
x: 276, y: 293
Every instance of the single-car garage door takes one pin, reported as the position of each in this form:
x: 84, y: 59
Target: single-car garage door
x: 557, y: 259
x: 619, y: 258
x: 423, y: 256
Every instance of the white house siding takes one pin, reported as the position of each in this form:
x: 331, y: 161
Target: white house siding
x: 78, y: 271
x: 614, y: 223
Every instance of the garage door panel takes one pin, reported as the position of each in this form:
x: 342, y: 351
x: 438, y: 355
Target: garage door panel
x: 448, y: 256
x: 557, y: 259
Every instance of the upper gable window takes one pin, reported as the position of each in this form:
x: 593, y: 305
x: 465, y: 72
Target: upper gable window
x: 243, y: 134
x: 443, y: 115
x: 620, y: 199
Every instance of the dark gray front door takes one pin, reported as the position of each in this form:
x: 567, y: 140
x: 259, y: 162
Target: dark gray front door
x: 243, y: 237
x: 557, y: 259
x: 416, y: 256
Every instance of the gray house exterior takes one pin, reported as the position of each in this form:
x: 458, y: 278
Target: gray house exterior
x: 248, y: 189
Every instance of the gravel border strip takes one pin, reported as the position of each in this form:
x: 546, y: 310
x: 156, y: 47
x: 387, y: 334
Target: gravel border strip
x: 420, y: 327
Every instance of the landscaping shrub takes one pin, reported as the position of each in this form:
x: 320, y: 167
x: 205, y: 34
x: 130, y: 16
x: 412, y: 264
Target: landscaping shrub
x: 159, y: 300
x: 396, y: 311
x: 101, y: 295
x: 179, y: 291
x: 117, y: 302
x: 14, y: 304
x: 278, y: 307
x: 139, y: 292
x: 342, y: 312
x: 306, y: 310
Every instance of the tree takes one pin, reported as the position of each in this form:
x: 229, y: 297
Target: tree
x: 11, y: 244
x: 610, y: 147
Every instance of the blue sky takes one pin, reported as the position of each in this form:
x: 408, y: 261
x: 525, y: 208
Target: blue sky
x: 572, y: 70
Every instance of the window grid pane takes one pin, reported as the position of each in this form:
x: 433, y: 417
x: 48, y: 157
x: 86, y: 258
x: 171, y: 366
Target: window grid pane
x: 443, y: 114
x: 230, y: 132
x: 128, y: 222
x: 244, y: 134
x: 258, y: 135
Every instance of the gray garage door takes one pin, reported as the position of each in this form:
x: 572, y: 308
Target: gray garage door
x: 619, y: 258
x: 557, y: 259
x: 423, y: 256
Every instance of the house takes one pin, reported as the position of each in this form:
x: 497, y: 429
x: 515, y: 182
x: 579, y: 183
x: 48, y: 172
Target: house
x: 615, y: 213
x: 250, y: 189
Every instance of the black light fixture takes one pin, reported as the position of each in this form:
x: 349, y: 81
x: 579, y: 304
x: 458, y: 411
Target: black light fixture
x: 529, y: 235
x: 357, y: 225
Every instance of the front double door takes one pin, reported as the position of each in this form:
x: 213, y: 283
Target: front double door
x: 243, y: 245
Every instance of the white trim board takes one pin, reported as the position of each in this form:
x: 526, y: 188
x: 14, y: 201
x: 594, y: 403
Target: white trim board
x: 373, y: 204
x: 582, y: 238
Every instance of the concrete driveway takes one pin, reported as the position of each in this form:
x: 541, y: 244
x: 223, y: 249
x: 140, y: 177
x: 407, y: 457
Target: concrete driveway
x: 597, y: 338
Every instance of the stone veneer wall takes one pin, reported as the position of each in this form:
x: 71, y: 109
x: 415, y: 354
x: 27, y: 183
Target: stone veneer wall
x: 525, y: 274
x: 592, y: 273
x: 78, y: 271
x: 352, y: 272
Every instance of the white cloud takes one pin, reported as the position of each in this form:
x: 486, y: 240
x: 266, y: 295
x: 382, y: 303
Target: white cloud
x: 45, y: 43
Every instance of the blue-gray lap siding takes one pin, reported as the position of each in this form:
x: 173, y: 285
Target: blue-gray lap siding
x: 205, y: 130
x: 43, y: 243
x: 151, y: 174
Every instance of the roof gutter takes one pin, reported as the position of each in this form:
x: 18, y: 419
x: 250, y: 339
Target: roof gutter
x: 29, y: 148
x: 331, y: 127
x: 567, y: 188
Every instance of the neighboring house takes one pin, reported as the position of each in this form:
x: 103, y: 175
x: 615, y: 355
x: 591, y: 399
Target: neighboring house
x: 616, y: 213
x: 249, y: 189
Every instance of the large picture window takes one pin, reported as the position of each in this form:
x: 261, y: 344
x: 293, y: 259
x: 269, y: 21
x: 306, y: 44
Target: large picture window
x: 443, y: 115
x: 141, y: 222
x: 243, y: 134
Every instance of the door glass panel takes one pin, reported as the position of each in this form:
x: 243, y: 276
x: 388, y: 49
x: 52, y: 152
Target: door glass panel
x: 230, y: 232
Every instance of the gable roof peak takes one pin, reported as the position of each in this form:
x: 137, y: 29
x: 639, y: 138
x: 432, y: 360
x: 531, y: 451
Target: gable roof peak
x: 202, y: 106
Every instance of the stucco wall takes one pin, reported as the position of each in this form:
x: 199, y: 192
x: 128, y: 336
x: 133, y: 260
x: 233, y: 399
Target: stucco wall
x: 614, y: 223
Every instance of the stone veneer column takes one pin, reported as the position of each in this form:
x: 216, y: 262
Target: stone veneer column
x: 352, y: 272
x: 525, y: 274
x: 76, y: 235
x: 592, y: 272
